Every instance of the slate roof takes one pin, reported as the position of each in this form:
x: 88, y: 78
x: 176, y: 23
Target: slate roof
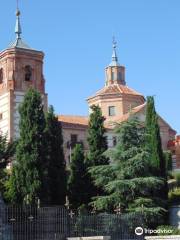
x: 18, y: 43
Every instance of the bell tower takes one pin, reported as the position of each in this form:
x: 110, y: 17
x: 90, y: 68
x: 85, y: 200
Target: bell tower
x: 21, y: 68
x: 115, y: 73
x: 115, y: 99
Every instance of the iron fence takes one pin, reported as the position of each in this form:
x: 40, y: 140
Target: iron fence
x: 58, y: 223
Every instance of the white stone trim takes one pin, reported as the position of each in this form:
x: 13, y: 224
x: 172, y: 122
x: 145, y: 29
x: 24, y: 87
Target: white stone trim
x: 90, y: 238
x: 174, y: 237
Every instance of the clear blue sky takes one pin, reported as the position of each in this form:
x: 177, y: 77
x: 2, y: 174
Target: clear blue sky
x: 76, y: 37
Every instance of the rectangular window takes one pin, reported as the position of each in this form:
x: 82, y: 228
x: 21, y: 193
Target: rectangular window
x: 111, y: 111
x: 1, y: 116
x: 74, y: 138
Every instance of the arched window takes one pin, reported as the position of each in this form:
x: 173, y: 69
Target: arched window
x: 1, y: 75
x: 28, y: 73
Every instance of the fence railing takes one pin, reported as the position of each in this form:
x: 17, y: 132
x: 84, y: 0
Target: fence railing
x: 50, y: 223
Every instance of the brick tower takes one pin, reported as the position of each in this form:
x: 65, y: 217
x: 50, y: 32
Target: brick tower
x: 115, y: 99
x: 21, y: 67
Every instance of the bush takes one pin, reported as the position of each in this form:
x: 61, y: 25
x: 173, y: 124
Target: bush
x: 4, y: 175
x: 168, y: 228
x: 174, y: 196
x: 170, y: 175
x: 177, y: 178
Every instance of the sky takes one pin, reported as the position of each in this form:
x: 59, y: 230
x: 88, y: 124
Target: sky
x: 76, y: 37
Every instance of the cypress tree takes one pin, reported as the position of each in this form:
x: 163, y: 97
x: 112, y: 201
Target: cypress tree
x: 168, y: 161
x: 77, y: 182
x: 26, y: 181
x: 97, y: 146
x: 153, y: 138
x: 96, y: 138
x: 56, y: 172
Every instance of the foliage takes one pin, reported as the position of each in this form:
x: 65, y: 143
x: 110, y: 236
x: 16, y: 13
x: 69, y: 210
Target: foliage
x: 160, y: 162
x: 28, y: 169
x: 153, y: 139
x: 7, y: 150
x: 96, y: 138
x: 128, y: 180
x: 3, y: 178
x: 77, y: 182
x: 168, y: 161
x: 174, y: 196
x: 173, y: 180
x: 97, y: 146
x: 176, y: 175
x: 12, y: 192
x: 55, y: 178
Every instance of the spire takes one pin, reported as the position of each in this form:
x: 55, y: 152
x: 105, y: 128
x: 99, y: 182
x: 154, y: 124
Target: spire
x: 18, y: 30
x: 18, y: 43
x: 114, y: 54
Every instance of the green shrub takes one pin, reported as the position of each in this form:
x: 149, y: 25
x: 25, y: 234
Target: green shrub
x: 177, y: 178
x: 174, y: 196
x: 168, y: 228
x: 170, y: 175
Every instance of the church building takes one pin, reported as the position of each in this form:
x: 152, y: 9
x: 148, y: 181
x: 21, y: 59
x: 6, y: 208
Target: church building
x: 21, y: 67
x: 118, y: 103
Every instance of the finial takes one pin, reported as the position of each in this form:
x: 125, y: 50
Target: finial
x: 114, y: 43
x: 18, y: 30
x: 114, y: 54
x: 18, y: 43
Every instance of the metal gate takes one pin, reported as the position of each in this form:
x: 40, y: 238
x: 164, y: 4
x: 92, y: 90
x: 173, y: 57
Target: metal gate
x: 52, y: 223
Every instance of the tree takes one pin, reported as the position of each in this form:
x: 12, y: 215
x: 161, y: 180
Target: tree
x: 96, y: 138
x: 26, y: 181
x: 128, y: 179
x: 153, y: 138
x: 153, y: 144
x: 97, y: 146
x: 56, y: 172
x: 77, y: 182
x: 7, y: 150
x: 168, y: 161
